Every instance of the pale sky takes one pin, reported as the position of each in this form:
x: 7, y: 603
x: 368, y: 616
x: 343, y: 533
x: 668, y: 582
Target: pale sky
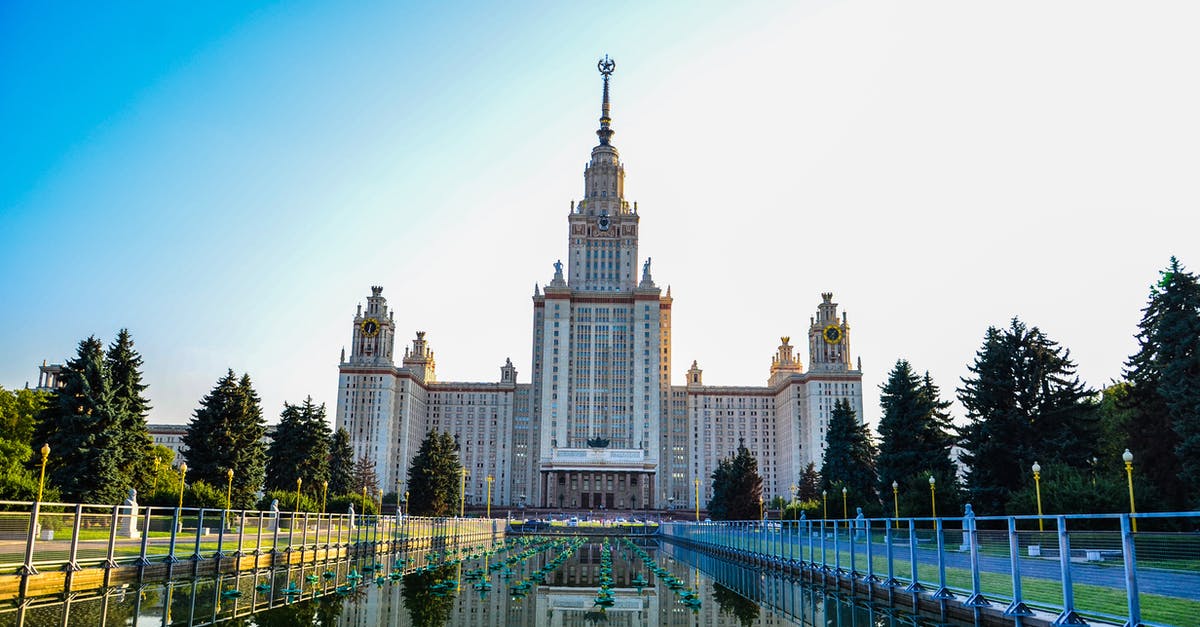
x: 228, y: 181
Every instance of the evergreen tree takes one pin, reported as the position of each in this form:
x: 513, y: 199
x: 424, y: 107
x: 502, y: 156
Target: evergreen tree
x: 341, y: 464
x: 226, y: 432
x: 810, y: 484
x: 365, y: 476
x: 132, y: 439
x: 849, y: 460
x: 737, y: 487
x: 1165, y: 399
x: 1025, y: 404
x: 82, y: 427
x: 901, y: 447
x: 435, y: 476
x: 299, y: 449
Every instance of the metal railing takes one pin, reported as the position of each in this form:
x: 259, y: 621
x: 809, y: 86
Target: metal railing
x: 1074, y: 566
x: 70, y: 536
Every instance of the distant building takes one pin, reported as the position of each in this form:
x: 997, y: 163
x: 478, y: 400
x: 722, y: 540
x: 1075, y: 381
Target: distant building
x: 171, y: 436
x: 48, y: 377
x: 600, y: 425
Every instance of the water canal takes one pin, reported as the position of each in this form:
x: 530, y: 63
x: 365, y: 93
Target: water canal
x: 527, y: 581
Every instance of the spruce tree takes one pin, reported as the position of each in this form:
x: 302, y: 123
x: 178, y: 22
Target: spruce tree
x: 849, y: 460
x: 737, y: 487
x: 226, y: 432
x: 299, y: 449
x: 901, y: 446
x: 1025, y: 404
x: 341, y: 464
x: 82, y: 428
x: 365, y: 476
x: 132, y: 439
x: 809, y: 488
x: 435, y: 476
x: 1165, y: 399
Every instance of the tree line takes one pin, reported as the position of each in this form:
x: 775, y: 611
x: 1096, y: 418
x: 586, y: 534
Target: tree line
x: 94, y: 426
x: 1024, y: 405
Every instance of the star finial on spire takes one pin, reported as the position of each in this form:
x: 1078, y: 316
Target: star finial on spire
x: 606, y: 67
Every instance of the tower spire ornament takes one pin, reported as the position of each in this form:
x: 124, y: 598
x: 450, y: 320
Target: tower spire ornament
x: 606, y: 67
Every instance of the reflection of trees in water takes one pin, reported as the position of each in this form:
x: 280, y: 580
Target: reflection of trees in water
x: 298, y: 613
x: 425, y: 608
x: 743, y: 609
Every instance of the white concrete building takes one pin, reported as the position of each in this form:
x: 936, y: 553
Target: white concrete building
x: 600, y: 425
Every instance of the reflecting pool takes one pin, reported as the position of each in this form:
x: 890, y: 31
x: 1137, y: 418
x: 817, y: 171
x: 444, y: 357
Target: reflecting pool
x: 529, y: 581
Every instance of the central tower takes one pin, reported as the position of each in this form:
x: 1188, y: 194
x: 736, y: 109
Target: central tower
x: 603, y: 228
x: 601, y: 351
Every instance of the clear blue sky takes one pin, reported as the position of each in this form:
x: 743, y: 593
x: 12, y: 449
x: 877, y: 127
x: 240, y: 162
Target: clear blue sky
x: 227, y: 180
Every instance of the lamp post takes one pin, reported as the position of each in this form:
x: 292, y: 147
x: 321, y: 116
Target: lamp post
x: 1128, y: 459
x: 845, y: 510
x: 697, y: 500
x: 324, y: 494
x: 760, y: 508
x: 299, y: 480
x: 896, y: 503
x: 933, y: 494
x: 1037, y: 486
x: 229, y: 489
x: 825, y: 504
x: 406, y: 506
x: 462, y: 504
x: 793, y: 495
x: 42, y: 479
x: 182, y: 481
x: 156, y: 462
x: 490, y: 479
x: 379, y: 498
x: 399, y: 483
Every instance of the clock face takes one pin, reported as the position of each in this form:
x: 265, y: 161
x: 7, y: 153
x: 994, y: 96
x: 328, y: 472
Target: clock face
x: 832, y: 334
x: 604, y: 223
x: 370, y: 327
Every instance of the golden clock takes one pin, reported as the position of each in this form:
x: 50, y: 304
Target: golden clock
x: 832, y: 334
x: 370, y: 327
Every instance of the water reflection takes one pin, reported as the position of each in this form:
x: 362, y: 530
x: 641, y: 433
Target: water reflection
x: 553, y: 582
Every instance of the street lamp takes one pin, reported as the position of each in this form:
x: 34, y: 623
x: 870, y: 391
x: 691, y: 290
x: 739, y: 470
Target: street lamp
x: 845, y: 511
x: 324, y: 494
x: 760, y: 507
x: 156, y: 462
x: 896, y: 502
x: 1037, y: 486
x: 229, y: 489
x: 182, y: 481
x: 697, y: 500
x: 825, y: 506
x: 1128, y: 459
x: 933, y: 494
x: 298, y: 481
x: 398, y: 484
x: 405, y: 501
x: 490, y: 479
x: 462, y: 505
x: 42, y: 480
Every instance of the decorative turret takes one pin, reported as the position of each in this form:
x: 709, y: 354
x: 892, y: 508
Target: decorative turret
x: 695, y: 376
x: 419, y: 359
x: 784, y: 362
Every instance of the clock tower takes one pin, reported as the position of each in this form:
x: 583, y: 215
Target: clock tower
x: 374, y: 334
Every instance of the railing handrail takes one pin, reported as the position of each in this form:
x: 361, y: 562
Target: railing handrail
x: 1034, y: 517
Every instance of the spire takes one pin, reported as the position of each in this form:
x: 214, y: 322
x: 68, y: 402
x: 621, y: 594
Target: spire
x: 606, y: 67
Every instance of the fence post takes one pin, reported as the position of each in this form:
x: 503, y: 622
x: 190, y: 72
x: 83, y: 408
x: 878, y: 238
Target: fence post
x: 870, y: 578
x: 837, y: 549
x: 976, y: 599
x: 27, y: 568
x: 175, y: 520
x: 258, y: 539
x: 221, y: 539
x: 890, y: 582
x: 110, y: 562
x: 241, y: 534
x: 72, y: 564
x: 851, y: 530
x: 199, y: 532
x: 915, y: 586
x: 142, y: 561
x: 1068, y: 615
x: 1129, y: 556
x: 824, y: 561
x: 942, y: 592
x: 1017, y: 607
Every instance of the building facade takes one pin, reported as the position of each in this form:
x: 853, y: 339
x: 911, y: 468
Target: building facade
x: 600, y: 424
